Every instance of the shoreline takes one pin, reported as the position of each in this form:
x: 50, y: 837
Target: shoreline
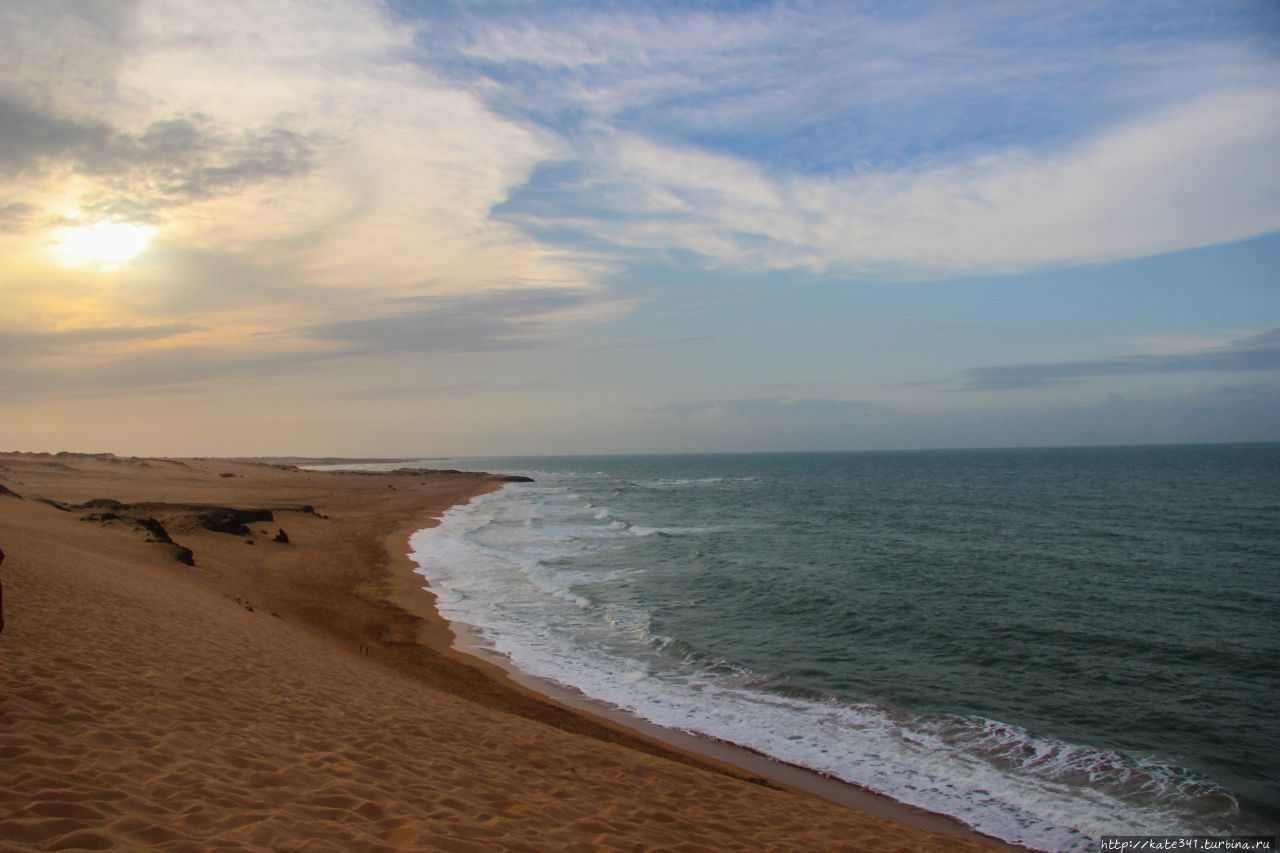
x: 792, y: 776
x: 306, y: 690
x: 468, y: 641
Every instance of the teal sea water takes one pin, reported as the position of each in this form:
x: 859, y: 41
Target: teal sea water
x: 1050, y: 645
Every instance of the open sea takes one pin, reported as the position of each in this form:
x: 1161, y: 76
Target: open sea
x: 1049, y: 645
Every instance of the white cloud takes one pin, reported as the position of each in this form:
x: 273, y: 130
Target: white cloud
x: 411, y: 169
x: 1198, y: 174
x: 402, y: 174
x: 869, y: 140
x: 878, y: 76
x: 407, y: 165
x: 773, y: 137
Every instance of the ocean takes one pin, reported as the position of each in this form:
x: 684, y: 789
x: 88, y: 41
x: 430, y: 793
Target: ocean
x: 1047, y: 644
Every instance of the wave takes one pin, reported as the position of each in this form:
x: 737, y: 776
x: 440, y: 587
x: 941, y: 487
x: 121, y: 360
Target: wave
x: 665, y: 483
x: 511, y: 582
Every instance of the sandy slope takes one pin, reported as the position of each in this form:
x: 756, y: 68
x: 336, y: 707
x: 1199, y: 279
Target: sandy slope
x: 279, y: 696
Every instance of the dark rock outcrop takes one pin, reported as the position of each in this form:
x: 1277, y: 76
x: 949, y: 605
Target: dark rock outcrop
x: 516, y: 478
x: 156, y: 529
x: 100, y: 516
x: 5, y: 490
x: 234, y: 521
x: 281, y: 537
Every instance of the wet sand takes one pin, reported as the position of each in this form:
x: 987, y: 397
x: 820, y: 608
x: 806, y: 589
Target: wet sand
x: 303, y: 694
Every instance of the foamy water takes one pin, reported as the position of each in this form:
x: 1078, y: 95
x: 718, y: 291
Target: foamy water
x: 704, y: 604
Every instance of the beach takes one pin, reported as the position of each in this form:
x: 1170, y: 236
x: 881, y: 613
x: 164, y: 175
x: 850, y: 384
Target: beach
x: 272, y: 676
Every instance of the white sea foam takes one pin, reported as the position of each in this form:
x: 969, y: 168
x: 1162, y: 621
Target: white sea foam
x: 641, y: 530
x: 496, y: 564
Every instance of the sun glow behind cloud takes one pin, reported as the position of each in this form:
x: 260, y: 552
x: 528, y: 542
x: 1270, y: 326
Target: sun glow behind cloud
x: 101, y: 245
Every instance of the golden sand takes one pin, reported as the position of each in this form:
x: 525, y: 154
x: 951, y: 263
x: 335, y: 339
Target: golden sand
x: 303, y: 694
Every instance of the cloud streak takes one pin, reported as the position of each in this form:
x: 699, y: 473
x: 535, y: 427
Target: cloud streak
x: 854, y: 84
x: 859, y: 141
x: 1197, y: 174
x: 773, y: 409
x: 147, y: 359
x: 171, y: 162
x: 505, y: 320
x: 26, y: 344
x: 1259, y: 352
x: 29, y: 137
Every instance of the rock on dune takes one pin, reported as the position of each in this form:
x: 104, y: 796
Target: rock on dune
x: 233, y: 521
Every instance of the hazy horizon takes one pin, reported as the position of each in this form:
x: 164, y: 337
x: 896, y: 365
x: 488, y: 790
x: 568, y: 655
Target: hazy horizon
x: 372, y: 460
x: 407, y: 229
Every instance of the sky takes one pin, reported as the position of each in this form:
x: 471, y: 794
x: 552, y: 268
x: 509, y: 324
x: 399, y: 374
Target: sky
x: 409, y: 228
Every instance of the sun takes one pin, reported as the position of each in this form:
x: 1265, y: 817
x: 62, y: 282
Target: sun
x: 105, y: 244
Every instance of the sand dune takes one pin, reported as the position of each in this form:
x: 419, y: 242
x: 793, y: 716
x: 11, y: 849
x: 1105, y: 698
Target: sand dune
x: 280, y: 696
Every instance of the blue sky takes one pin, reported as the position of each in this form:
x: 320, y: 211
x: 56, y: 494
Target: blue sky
x: 429, y: 228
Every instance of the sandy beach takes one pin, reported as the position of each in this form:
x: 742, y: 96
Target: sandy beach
x: 206, y: 653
